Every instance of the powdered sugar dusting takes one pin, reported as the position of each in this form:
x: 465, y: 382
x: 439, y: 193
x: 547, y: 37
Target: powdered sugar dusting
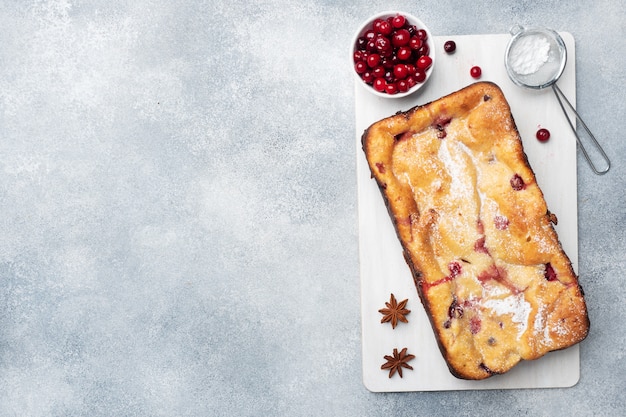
x: 515, y: 305
x: 450, y: 155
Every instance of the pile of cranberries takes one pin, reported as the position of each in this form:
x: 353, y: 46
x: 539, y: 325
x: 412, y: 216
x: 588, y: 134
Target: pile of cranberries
x: 392, y: 55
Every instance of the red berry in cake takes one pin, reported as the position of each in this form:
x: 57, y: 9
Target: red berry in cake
x: 517, y: 183
x: 501, y: 222
x: 550, y: 273
x: 543, y: 135
x: 476, y: 72
x: 449, y: 46
x: 475, y: 324
x: 454, y: 268
x: 479, y: 245
x: 455, y: 311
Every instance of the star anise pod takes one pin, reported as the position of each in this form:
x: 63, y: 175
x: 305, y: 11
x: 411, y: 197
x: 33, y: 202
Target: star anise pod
x: 394, y: 312
x: 397, y: 362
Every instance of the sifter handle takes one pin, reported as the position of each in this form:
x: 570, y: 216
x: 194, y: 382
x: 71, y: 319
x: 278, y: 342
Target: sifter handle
x: 559, y: 95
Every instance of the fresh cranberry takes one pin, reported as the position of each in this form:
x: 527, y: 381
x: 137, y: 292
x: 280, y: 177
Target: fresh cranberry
x: 400, y: 37
x: 373, y: 60
x: 476, y: 72
x: 421, y: 33
x: 360, y: 67
x: 382, y: 44
x: 368, y: 77
x: 404, y: 53
x: 379, y: 84
x: 517, y: 183
x: 389, y: 62
x: 378, y: 72
x: 411, y: 81
x: 449, y: 46
x: 400, y: 71
x: 376, y: 25
x: 385, y: 28
x: 361, y: 43
x: 415, y: 43
x: 391, y: 88
x: 398, y: 21
x: 370, y: 34
x: 424, y: 62
x: 420, y: 75
x: 543, y: 135
x: 424, y: 49
x: 403, y: 86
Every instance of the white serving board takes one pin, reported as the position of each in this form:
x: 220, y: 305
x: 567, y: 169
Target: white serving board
x: 382, y: 267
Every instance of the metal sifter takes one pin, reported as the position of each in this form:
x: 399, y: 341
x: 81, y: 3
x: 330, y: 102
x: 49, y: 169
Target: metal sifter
x: 535, y: 58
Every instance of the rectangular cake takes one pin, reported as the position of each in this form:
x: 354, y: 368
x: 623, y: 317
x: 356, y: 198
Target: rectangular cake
x: 476, y: 232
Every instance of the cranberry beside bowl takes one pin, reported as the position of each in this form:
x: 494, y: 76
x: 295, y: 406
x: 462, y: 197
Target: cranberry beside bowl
x: 392, y: 54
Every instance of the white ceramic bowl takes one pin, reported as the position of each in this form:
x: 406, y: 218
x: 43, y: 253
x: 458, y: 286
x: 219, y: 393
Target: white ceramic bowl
x: 412, y: 20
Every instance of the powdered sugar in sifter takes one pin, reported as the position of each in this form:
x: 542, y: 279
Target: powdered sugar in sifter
x: 535, y: 58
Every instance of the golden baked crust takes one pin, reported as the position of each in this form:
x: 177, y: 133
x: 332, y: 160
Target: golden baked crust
x: 476, y: 232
